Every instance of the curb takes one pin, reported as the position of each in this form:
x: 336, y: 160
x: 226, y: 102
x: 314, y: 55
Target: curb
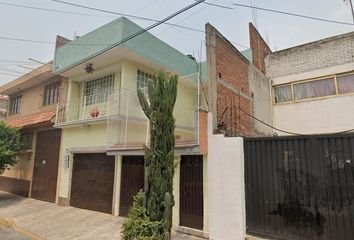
x: 10, y: 223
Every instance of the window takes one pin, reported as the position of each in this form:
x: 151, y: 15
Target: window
x: 345, y: 84
x: 27, y: 140
x: 142, y: 79
x: 313, y: 89
x: 283, y: 94
x: 15, y: 104
x: 3, y: 104
x: 51, y: 93
x: 99, y: 89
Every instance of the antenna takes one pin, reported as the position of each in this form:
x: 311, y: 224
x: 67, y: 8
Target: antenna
x: 254, y: 14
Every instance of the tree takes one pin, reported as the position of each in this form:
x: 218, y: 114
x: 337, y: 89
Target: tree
x: 10, y: 145
x: 159, y: 156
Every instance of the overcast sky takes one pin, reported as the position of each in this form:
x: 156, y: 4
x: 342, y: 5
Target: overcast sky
x: 280, y: 31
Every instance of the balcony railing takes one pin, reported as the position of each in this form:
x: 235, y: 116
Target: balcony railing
x: 122, y: 105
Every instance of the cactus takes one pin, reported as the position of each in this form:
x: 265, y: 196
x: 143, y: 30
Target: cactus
x: 159, y: 156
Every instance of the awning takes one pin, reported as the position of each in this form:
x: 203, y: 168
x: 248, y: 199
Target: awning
x: 31, y: 119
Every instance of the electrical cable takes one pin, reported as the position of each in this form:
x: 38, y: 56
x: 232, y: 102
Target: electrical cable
x: 124, y: 14
x: 145, y: 29
x: 288, y: 132
x: 293, y: 14
x: 52, y: 10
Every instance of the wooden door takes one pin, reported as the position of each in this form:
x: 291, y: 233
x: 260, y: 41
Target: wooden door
x: 92, y: 182
x: 191, y: 191
x: 45, y: 171
x: 132, y: 180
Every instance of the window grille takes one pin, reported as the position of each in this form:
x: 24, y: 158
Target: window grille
x: 15, y: 105
x: 51, y: 93
x: 27, y: 140
x: 98, y: 90
x: 142, y: 79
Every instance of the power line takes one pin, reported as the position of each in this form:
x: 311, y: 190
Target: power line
x: 293, y: 14
x: 96, y: 9
x: 150, y: 27
x: 52, y: 10
x: 125, y: 14
x: 288, y: 132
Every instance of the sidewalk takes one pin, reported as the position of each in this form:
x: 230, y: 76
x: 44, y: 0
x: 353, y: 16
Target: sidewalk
x: 53, y: 222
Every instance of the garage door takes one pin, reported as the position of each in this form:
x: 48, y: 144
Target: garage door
x: 131, y: 182
x: 45, y: 170
x: 92, y: 182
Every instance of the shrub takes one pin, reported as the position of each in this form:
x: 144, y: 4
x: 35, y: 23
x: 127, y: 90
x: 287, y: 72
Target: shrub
x: 10, y: 145
x: 138, y: 225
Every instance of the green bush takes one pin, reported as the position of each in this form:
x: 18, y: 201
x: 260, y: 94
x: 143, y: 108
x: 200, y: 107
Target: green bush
x: 138, y: 225
x: 10, y: 145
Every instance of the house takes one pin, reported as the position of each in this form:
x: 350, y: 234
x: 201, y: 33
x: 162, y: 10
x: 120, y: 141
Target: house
x: 104, y: 129
x: 33, y: 98
x: 313, y: 86
x: 3, y: 106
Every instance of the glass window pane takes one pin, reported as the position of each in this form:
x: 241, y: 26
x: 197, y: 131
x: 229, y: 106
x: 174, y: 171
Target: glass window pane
x: 345, y: 84
x: 283, y: 94
x: 98, y: 90
x: 313, y: 89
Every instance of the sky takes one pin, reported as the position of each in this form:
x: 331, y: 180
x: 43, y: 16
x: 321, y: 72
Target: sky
x: 280, y: 31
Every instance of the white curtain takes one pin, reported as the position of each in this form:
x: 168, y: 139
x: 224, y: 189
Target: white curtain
x: 345, y: 84
x: 283, y: 94
x: 318, y: 88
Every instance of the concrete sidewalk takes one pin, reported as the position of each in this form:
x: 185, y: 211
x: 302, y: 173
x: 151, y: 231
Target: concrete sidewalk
x: 53, y: 222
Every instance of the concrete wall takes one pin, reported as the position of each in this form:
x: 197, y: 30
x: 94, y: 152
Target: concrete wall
x: 261, y: 100
x: 227, y: 215
x: 321, y: 54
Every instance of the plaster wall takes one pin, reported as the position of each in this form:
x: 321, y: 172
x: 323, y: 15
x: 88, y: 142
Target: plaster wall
x: 226, y: 203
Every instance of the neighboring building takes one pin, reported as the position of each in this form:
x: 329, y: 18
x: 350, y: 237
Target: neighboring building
x: 3, y: 106
x: 32, y: 105
x: 313, y: 86
x: 104, y: 128
x: 239, y: 91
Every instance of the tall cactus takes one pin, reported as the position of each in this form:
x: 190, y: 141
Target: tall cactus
x: 159, y: 156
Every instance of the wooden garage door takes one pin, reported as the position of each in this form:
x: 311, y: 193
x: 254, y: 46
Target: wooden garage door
x: 45, y: 170
x: 132, y: 180
x: 92, y: 182
x: 191, y: 191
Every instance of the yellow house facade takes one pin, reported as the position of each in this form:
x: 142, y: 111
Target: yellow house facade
x: 104, y: 129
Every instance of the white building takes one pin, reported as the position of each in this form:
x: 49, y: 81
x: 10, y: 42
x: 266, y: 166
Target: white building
x: 313, y: 86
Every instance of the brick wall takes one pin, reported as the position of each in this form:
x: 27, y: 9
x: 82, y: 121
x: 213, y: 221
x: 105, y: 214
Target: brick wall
x: 259, y: 48
x: 229, y: 78
x: 321, y: 54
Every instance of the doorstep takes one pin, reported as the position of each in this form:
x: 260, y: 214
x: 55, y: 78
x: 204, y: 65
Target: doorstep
x: 192, y: 231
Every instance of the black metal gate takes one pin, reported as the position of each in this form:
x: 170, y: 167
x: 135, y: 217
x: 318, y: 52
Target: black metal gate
x: 300, y: 187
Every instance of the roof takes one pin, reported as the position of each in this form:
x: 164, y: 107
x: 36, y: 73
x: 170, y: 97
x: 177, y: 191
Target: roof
x: 28, y: 80
x: 247, y: 54
x: 31, y: 119
x: 110, y: 36
x: 3, y: 97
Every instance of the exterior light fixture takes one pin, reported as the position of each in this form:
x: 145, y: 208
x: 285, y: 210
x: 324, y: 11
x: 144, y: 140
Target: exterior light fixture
x: 89, y: 68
